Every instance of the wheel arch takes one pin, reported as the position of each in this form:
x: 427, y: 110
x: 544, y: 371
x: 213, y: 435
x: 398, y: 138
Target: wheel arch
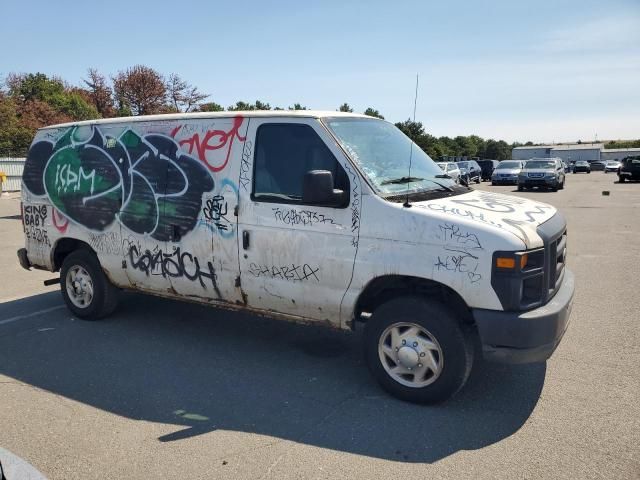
x: 383, y: 288
x: 63, y: 247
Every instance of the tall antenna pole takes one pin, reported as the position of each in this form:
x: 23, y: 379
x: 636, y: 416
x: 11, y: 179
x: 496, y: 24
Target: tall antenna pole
x: 415, y: 103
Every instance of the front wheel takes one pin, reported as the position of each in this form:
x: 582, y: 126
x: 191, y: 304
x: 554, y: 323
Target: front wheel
x: 621, y: 179
x: 86, y: 290
x: 520, y: 188
x: 417, y: 350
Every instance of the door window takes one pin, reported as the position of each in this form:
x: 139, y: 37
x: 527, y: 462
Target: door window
x: 284, y: 154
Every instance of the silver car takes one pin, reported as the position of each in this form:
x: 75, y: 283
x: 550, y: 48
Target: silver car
x: 506, y: 173
x: 451, y: 169
x: 547, y: 173
x: 612, y: 166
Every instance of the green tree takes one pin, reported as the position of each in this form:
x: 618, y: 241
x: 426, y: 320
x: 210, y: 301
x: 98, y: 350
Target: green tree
x: 211, y: 107
x: 373, y: 113
x: 345, y: 108
x: 411, y: 129
x: 297, y: 106
x: 241, y: 106
x: 262, y: 105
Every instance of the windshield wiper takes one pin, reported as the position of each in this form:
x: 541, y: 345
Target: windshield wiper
x: 401, y: 180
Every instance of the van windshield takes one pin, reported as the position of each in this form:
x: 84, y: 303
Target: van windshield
x: 382, y: 152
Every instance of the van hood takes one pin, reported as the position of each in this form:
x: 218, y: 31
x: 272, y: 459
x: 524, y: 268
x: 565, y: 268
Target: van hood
x: 509, y: 171
x: 516, y: 215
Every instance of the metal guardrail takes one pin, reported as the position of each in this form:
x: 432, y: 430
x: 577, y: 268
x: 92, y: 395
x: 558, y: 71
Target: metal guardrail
x: 12, y: 168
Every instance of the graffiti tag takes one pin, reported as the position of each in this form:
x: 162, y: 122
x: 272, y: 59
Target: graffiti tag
x: 293, y: 273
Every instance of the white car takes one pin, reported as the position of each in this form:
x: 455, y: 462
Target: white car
x: 451, y: 169
x: 612, y: 166
x: 304, y: 216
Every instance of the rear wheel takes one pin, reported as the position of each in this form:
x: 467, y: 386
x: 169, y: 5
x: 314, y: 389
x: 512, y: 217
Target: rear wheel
x: 520, y: 188
x: 417, y: 350
x: 86, y: 290
x: 621, y: 179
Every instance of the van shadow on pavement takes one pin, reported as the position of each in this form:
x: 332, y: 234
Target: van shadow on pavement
x: 206, y: 369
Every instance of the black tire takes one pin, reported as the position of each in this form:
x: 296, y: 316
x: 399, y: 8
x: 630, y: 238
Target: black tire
x: 455, y: 344
x: 105, y: 296
x: 621, y: 179
x: 478, y: 180
x: 561, y: 187
x: 589, y: 171
x: 520, y: 188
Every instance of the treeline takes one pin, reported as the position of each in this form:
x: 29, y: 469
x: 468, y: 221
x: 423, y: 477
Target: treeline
x: 32, y: 100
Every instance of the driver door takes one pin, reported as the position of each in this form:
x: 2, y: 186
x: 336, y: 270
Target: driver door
x: 295, y: 258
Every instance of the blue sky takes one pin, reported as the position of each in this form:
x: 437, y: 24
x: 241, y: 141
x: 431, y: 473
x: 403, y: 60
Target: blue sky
x: 542, y: 71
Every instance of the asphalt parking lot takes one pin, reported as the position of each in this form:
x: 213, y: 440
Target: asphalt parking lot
x: 172, y: 390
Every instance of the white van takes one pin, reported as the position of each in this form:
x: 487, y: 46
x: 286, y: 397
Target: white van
x: 309, y: 216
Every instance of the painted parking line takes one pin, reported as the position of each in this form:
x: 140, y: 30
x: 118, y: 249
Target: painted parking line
x: 32, y: 314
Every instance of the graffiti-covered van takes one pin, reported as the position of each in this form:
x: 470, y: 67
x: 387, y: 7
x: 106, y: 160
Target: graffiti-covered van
x: 325, y: 217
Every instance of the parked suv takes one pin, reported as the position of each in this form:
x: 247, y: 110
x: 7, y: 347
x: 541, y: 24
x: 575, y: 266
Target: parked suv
x: 547, y: 173
x: 303, y: 216
x: 506, y: 173
x: 629, y: 169
x: 470, y: 171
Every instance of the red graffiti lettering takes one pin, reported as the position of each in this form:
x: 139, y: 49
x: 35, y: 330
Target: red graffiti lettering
x: 59, y: 221
x: 212, y: 140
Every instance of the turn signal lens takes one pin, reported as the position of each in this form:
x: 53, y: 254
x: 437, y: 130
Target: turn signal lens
x: 523, y: 261
x: 502, y: 262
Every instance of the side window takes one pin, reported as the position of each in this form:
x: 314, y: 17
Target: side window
x: 284, y: 153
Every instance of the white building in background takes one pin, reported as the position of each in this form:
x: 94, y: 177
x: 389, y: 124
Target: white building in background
x: 569, y: 153
x: 590, y: 152
x: 618, y: 153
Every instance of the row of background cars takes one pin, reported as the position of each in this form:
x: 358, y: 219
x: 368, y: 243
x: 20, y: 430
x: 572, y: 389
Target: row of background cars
x: 543, y: 173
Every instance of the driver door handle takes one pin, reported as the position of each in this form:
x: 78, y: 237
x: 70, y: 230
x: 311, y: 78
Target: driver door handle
x: 245, y: 240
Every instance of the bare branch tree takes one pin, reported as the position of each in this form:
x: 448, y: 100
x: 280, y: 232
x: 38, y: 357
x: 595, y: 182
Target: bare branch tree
x: 183, y: 96
x: 100, y: 93
x: 140, y: 89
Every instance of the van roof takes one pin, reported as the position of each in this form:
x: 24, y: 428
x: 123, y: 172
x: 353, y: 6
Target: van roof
x: 191, y: 116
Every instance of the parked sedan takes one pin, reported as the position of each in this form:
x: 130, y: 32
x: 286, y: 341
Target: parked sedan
x: 611, y: 166
x: 582, y: 166
x: 547, y: 173
x: 470, y: 171
x: 597, y: 166
x: 451, y: 169
x: 506, y: 173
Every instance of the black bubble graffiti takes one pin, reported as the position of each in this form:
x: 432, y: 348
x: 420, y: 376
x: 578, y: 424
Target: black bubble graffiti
x: 173, y: 264
x: 146, y: 182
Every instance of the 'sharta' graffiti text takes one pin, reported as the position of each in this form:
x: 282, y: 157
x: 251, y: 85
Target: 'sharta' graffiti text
x: 292, y: 273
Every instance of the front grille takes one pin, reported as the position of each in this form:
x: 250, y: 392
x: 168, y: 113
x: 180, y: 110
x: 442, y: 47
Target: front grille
x: 535, y: 175
x: 554, y: 234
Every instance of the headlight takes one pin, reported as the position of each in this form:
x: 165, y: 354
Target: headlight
x: 551, y: 175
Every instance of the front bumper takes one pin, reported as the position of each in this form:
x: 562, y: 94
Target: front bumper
x: 538, y: 182
x: 504, y: 180
x: 526, y: 337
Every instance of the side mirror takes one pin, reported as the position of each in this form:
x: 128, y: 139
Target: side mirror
x: 317, y: 189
